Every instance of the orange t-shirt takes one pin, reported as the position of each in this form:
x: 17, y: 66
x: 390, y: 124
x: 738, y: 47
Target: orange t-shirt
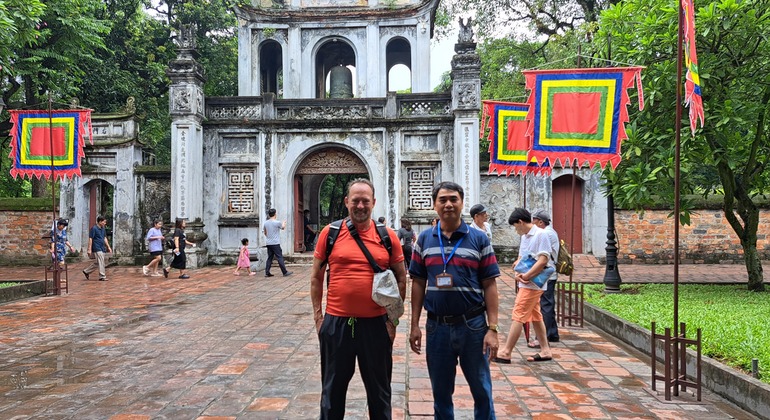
x: 350, y: 282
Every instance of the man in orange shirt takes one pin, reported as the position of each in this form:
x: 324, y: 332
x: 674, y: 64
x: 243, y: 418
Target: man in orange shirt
x: 354, y: 326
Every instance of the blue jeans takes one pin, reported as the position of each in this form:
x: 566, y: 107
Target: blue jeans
x: 446, y: 344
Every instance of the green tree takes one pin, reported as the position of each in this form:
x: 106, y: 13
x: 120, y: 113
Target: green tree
x: 19, y: 28
x: 523, y: 18
x: 49, y: 49
x: 729, y: 155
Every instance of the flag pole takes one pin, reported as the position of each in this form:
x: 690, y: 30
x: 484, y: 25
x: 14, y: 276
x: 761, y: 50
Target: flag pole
x: 56, y: 271
x: 677, y: 175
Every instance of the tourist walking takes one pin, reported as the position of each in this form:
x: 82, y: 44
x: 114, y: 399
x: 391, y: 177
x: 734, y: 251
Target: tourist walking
x: 526, y: 308
x: 98, y: 245
x: 180, y: 244
x: 243, y: 258
x: 272, y: 230
x: 155, y: 246
x: 407, y: 237
x: 542, y: 220
x: 59, y: 242
x: 354, y: 327
x: 454, y: 275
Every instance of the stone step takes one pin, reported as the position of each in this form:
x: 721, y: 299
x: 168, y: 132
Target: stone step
x: 303, y: 259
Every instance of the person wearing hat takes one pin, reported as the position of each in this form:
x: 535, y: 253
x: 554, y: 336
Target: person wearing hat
x: 542, y: 220
x: 59, y: 242
x: 480, y: 220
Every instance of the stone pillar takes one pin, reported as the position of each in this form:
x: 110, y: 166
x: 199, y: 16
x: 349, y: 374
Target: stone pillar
x: 466, y: 104
x: 186, y: 107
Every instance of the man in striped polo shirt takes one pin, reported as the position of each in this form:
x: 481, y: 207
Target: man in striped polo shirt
x: 454, y: 272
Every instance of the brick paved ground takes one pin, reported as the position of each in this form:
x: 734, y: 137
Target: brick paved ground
x: 223, y: 347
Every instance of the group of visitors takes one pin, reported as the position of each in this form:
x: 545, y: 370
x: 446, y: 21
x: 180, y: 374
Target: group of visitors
x: 98, y: 246
x: 454, y: 274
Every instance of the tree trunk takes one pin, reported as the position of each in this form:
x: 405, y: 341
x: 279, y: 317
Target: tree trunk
x: 753, y: 268
x: 39, y: 187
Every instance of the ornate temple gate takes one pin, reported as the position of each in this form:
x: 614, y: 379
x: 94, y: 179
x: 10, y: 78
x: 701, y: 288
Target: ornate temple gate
x: 324, y: 161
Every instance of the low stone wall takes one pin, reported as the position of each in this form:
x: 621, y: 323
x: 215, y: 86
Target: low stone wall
x: 21, y: 238
x: 648, y: 238
x: 744, y: 391
x: 26, y: 289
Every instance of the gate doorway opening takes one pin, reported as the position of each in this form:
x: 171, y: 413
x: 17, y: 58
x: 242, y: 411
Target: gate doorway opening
x: 100, y: 203
x: 319, y: 186
x: 568, y: 219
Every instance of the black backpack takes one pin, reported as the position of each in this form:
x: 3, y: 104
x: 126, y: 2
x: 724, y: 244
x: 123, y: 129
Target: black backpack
x: 334, y: 231
x: 170, y: 243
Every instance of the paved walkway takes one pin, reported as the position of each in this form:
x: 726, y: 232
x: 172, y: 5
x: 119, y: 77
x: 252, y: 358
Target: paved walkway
x: 218, y: 346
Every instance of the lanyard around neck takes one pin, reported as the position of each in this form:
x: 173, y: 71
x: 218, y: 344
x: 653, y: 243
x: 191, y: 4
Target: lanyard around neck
x: 441, y: 246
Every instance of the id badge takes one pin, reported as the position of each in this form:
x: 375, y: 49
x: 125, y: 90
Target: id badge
x: 444, y: 280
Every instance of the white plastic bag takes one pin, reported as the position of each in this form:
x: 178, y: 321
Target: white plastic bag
x: 385, y: 293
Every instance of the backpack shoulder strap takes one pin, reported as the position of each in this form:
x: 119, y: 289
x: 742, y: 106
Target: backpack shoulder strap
x: 384, y: 237
x: 334, y: 232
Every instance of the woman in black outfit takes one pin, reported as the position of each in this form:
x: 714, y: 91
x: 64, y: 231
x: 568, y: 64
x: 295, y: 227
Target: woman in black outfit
x: 180, y: 242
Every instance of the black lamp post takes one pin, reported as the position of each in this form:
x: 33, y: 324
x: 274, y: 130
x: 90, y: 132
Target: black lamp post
x: 2, y: 104
x: 611, y: 275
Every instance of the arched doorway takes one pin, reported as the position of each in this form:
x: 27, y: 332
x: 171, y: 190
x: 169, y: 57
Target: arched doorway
x: 319, y: 186
x: 564, y: 214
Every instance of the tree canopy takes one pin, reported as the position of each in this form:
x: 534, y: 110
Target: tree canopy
x: 103, y: 53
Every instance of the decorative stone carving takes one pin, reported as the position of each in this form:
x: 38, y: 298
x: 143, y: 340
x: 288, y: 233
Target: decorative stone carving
x: 466, y: 31
x: 241, y: 191
x: 238, y: 112
x: 130, y: 105
x: 323, y: 113
x: 186, y: 37
x: 181, y: 100
x: 420, y: 181
x: 467, y: 96
x: 332, y: 161
x: 423, y: 108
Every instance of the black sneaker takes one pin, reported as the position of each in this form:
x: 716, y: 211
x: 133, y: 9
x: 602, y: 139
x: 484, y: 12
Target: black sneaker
x: 85, y: 274
x: 165, y: 273
x: 268, y: 275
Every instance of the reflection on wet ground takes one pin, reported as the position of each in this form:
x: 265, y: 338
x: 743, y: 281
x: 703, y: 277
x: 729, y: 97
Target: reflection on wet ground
x: 245, y: 347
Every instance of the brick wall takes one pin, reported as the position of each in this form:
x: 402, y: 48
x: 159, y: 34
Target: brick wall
x: 21, y: 235
x: 649, y: 238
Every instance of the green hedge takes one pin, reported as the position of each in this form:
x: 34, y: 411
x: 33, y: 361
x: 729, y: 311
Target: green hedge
x: 27, y: 203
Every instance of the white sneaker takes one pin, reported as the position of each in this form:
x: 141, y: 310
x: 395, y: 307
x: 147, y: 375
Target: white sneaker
x: 145, y: 270
x: 156, y: 275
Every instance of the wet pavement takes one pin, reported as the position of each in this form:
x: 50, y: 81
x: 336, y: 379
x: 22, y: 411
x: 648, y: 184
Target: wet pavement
x: 219, y: 346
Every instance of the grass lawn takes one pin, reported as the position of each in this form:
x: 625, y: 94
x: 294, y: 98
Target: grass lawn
x: 8, y: 284
x: 735, y: 323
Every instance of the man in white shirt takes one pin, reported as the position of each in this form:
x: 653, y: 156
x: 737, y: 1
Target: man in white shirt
x: 272, y: 230
x: 527, y: 306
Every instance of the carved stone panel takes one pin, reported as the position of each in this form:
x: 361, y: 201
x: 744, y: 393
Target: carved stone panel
x: 332, y: 161
x: 421, y: 143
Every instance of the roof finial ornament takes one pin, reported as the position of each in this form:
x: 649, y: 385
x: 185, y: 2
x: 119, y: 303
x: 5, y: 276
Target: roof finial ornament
x: 466, y: 31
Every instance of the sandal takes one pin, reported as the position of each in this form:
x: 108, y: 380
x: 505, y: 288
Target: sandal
x: 534, y: 344
x: 538, y: 358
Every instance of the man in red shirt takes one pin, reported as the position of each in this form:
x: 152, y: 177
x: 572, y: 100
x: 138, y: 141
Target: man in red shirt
x: 354, y: 326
